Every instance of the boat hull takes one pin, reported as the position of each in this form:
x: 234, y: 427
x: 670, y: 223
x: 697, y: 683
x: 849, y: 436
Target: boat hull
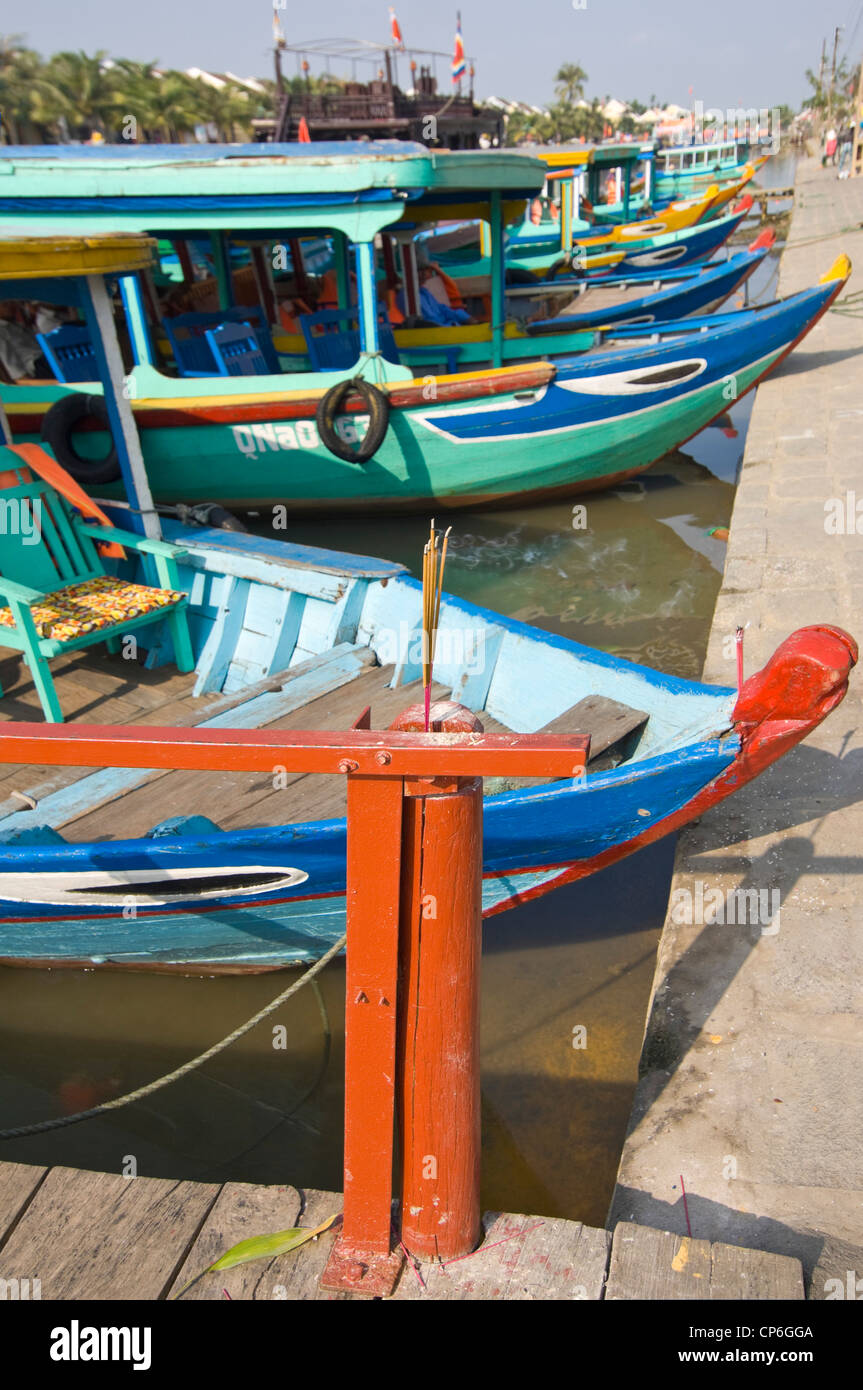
x: 586, y: 423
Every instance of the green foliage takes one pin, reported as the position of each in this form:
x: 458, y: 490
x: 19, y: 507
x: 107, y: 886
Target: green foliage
x: 73, y: 95
x: 569, y: 83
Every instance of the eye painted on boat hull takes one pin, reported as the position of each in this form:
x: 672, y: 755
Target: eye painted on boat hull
x: 149, y: 887
x: 632, y: 383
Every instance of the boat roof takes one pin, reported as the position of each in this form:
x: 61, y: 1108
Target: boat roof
x: 707, y: 145
x: 355, y: 186
x: 338, y: 150
x: 567, y: 156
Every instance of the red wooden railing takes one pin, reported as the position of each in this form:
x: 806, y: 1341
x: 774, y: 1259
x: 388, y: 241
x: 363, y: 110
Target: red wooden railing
x: 414, y: 878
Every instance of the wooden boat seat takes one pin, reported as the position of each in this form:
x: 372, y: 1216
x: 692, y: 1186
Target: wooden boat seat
x: 236, y: 350
x: 69, y: 353
x: 55, y: 592
x: 192, y: 348
x: 611, y: 726
x: 332, y: 339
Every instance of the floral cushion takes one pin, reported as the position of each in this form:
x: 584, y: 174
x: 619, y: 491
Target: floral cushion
x: 91, y: 605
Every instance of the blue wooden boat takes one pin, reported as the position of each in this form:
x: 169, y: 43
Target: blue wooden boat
x: 287, y: 636
x: 626, y: 300
x: 660, y: 374
x: 686, y: 167
x: 688, y: 246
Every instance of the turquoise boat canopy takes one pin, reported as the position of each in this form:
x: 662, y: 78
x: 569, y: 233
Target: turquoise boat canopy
x: 354, y: 187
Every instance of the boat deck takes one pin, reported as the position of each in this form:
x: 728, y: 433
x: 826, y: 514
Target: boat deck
x: 97, y: 688
x: 329, y: 691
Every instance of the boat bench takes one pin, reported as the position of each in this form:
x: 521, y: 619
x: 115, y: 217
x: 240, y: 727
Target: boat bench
x: 611, y: 725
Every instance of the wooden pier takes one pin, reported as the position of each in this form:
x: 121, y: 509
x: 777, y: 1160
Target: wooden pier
x: 90, y: 1236
x: 750, y: 1073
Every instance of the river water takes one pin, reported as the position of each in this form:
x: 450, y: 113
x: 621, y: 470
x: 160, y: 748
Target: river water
x: 639, y: 579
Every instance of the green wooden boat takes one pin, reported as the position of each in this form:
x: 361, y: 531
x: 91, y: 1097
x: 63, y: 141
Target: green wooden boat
x: 507, y: 428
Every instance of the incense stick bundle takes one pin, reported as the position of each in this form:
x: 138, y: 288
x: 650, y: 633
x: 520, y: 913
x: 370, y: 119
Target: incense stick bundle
x: 434, y: 559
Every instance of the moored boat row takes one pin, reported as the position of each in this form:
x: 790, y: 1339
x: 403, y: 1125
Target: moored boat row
x: 346, y: 389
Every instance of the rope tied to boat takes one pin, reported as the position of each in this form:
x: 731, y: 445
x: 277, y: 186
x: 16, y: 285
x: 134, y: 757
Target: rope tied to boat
x: 60, y: 1122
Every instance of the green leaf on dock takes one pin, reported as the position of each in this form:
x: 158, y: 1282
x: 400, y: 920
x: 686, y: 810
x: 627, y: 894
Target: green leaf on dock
x: 262, y: 1248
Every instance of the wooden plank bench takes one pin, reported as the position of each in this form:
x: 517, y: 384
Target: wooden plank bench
x: 610, y: 725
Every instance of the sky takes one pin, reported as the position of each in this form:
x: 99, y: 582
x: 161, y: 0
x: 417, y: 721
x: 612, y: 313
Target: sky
x: 732, y: 53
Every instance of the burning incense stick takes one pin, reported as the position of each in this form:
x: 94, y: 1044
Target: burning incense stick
x: 433, y: 568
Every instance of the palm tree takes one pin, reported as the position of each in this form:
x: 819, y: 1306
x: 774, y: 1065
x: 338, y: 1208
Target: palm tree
x: 171, y: 110
x: 227, y: 107
x: 29, y: 104
x: 569, y: 83
x: 133, y: 86
x: 86, y: 86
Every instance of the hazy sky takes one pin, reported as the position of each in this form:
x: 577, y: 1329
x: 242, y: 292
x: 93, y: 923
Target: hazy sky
x: 734, y: 52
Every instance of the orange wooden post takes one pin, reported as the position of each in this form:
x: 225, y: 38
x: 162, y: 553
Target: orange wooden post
x: 439, y: 1095
x: 439, y: 964
x: 360, y: 1259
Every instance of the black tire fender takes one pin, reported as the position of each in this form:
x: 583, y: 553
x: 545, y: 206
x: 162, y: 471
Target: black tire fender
x: 57, y: 427
x: 330, y: 407
x: 563, y: 264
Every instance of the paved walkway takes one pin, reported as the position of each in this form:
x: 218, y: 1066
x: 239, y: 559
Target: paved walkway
x: 752, y: 1073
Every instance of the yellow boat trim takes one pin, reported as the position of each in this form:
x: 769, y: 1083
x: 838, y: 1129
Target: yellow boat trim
x: 839, y: 270
x: 268, y: 397
x: 559, y: 159
x: 37, y: 258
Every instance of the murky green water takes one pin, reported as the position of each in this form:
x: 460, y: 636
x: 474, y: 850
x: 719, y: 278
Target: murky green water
x: 639, y: 579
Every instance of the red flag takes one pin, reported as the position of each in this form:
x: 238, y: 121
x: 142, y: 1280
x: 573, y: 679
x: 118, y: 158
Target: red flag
x: 303, y: 133
x: 398, y: 41
x: 458, y: 62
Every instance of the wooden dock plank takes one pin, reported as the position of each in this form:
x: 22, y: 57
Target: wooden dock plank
x: 244, y: 1210
x: 297, y: 1275
x: 650, y: 1264
x: 98, y: 1235
x: 18, y: 1184
x: 754, y: 1274
x: 240, y: 1211
x: 521, y: 1258
x: 657, y: 1264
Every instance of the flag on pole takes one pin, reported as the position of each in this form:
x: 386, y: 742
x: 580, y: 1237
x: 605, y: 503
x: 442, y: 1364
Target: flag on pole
x: 278, y: 31
x: 398, y: 41
x: 458, y: 63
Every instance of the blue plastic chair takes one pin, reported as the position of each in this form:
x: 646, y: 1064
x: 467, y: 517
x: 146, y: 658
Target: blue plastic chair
x: 236, y: 350
x: 193, y: 354
x: 69, y: 353
x: 333, y: 341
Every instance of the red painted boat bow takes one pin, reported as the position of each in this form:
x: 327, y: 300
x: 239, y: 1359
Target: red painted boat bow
x: 804, y: 680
